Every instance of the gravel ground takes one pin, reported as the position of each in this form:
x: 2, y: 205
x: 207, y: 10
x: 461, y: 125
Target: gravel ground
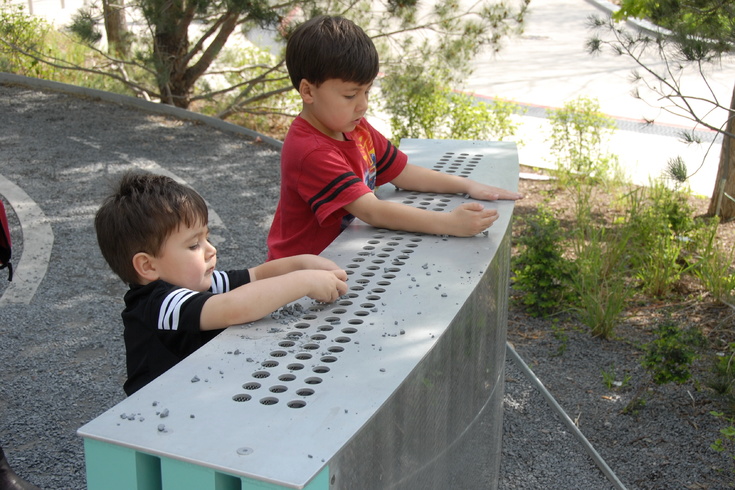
x: 62, y: 355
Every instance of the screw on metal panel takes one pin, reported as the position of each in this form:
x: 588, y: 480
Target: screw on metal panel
x: 244, y: 451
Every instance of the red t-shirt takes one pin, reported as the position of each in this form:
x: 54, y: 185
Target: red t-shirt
x: 319, y: 176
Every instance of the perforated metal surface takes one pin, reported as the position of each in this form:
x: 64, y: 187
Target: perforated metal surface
x: 318, y: 384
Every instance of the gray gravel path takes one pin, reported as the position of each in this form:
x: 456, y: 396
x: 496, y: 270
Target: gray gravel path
x: 62, y: 355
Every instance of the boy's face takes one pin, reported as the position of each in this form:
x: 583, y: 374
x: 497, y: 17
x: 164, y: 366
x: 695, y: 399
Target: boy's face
x: 187, y: 259
x: 334, y: 107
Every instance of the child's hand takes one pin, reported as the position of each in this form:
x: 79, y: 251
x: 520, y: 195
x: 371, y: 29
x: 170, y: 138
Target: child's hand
x: 471, y: 218
x: 327, y: 285
x: 484, y: 192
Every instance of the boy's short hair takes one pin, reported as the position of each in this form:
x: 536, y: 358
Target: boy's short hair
x: 325, y: 48
x: 141, y: 213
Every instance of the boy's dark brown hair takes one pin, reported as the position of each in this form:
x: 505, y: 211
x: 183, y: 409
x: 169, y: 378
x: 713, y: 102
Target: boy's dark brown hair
x: 325, y: 47
x: 141, y: 213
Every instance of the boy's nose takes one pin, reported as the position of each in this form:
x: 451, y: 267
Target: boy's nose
x: 362, y: 103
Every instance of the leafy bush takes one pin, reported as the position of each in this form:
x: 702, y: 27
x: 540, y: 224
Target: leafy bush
x: 422, y: 105
x: 599, y: 281
x: 578, y: 132
x: 541, y: 272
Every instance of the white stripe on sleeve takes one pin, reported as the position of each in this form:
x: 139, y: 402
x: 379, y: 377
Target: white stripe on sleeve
x: 168, y: 315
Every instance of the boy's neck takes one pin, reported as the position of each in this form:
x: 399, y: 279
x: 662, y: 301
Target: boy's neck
x: 314, y: 122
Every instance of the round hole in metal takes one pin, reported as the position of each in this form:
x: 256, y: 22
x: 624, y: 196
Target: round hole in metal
x: 286, y: 343
x: 287, y: 377
x: 278, y: 389
x: 296, y: 404
x: 305, y: 392
x: 251, y: 385
x: 320, y: 369
x: 269, y: 400
x: 336, y: 349
x: 311, y: 346
x: 270, y: 363
x: 302, y: 356
x: 349, y: 330
x: 295, y: 366
x: 261, y: 374
x: 314, y: 380
x: 278, y: 353
x: 324, y: 328
x: 328, y: 359
x: 318, y: 336
x: 242, y: 397
x: 342, y: 340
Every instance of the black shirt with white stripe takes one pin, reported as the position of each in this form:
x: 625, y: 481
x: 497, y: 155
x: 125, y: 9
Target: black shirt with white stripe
x: 162, y: 325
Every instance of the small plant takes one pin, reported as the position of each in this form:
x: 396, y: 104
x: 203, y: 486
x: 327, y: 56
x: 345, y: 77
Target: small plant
x: 669, y: 357
x: 561, y: 335
x: 599, y: 281
x: 611, y: 381
x: 726, y: 442
x: 577, y: 140
x: 723, y: 369
x: 660, y: 222
x: 713, y: 266
x: 541, y: 272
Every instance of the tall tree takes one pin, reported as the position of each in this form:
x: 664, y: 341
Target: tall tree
x: 695, y: 35
x: 116, y: 27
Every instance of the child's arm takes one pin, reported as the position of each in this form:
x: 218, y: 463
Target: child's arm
x: 468, y: 219
x: 273, y: 285
x: 415, y: 178
x: 285, y: 265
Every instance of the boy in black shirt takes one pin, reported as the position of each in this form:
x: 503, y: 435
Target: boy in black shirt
x: 153, y: 233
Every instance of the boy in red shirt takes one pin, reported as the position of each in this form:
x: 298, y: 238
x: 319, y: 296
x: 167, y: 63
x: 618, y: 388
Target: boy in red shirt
x: 333, y: 159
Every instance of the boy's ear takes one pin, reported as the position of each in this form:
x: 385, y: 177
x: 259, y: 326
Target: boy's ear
x: 305, y: 91
x: 145, y: 267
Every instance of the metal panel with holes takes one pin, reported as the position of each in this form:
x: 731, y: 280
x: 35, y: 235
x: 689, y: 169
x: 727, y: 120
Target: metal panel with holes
x: 399, y: 384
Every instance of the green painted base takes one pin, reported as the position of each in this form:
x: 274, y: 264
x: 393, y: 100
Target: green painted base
x: 112, y: 467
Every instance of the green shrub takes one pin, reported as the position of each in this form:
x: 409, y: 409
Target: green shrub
x: 422, y: 105
x: 599, y: 281
x: 578, y: 132
x: 541, y: 272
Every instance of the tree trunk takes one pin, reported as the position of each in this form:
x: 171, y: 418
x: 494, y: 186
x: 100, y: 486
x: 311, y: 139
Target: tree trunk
x: 116, y: 27
x: 722, y: 203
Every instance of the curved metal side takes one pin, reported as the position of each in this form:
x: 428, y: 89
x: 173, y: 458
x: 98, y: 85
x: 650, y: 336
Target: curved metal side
x: 399, y: 384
